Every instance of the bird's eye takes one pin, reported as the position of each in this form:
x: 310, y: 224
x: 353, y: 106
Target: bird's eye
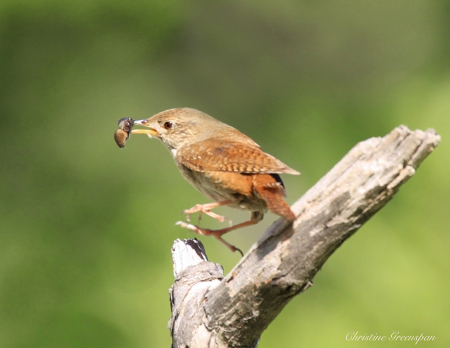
x: 167, y: 125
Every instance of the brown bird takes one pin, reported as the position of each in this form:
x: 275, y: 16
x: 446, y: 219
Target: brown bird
x: 219, y: 161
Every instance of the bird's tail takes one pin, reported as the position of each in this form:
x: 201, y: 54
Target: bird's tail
x: 271, y: 190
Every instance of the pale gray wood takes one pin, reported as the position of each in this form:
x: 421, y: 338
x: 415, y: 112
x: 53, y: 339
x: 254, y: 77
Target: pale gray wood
x: 209, y: 310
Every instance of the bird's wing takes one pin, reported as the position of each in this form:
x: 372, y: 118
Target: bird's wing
x: 222, y: 155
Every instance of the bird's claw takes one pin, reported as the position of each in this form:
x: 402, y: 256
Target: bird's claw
x: 205, y: 208
x: 208, y: 232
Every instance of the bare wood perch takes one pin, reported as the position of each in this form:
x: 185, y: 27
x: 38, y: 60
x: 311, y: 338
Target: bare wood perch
x: 210, y: 310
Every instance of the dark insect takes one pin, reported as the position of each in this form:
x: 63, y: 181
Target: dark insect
x: 123, y: 133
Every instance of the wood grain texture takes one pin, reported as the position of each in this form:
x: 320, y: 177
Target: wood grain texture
x: 210, y: 310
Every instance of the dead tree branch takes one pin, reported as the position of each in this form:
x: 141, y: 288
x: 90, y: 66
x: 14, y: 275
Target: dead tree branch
x: 210, y: 310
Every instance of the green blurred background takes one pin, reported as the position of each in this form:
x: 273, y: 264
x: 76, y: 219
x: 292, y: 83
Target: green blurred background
x: 87, y: 228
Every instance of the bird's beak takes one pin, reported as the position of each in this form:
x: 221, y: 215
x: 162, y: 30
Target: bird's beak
x: 149, y: 131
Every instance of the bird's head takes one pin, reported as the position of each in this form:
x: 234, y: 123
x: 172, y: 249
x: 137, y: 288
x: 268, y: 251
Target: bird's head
x: 182, y: 126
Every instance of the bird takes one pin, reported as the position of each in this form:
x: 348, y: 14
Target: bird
x: 222, y: 163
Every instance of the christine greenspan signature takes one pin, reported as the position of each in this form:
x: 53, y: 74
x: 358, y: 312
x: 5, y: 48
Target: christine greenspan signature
x: 395, y: 336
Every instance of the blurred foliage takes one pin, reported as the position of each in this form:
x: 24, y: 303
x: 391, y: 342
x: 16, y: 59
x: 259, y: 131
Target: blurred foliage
x: 86, y: 228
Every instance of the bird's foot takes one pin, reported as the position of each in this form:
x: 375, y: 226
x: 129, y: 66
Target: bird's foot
x: 207, y: 232
x: 206, y: 208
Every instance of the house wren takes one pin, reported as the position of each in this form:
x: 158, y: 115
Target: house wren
x: 219, y: 161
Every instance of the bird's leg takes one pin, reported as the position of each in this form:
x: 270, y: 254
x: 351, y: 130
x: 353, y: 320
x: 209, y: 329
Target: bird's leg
x: 206, y: 208
x: 256, y: 217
